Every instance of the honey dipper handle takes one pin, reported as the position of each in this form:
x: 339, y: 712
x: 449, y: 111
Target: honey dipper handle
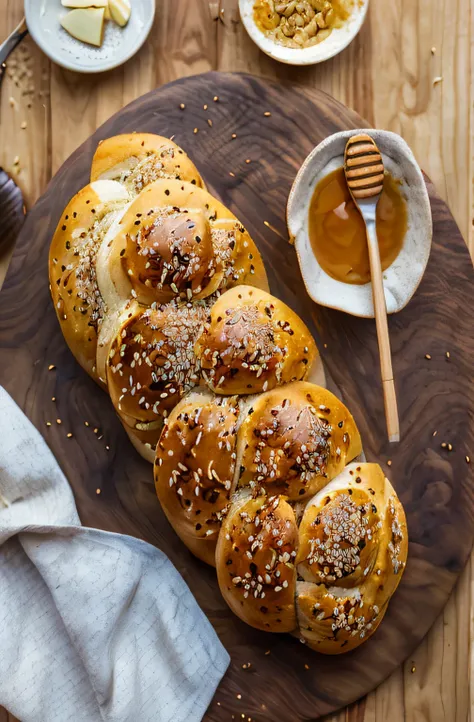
x: 380, y: 308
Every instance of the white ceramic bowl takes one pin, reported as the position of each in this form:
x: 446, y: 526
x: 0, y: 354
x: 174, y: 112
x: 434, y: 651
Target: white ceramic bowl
x: 402, y: 278
x: 334, y: 44
x: 120, y: 44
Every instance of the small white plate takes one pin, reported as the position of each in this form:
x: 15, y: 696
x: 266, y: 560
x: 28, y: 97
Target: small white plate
x: 333, y: 45
x: 43, y: 16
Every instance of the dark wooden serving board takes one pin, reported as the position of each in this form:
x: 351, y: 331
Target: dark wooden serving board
x: 435, y: 485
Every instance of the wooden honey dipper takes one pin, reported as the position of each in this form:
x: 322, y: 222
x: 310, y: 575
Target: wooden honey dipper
x: 364, y: 171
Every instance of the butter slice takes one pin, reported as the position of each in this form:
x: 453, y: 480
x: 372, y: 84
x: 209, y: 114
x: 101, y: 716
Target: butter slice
x: 85, y: 24
x: 85, y: 3
x: 107, y: 14
x: 120, y: 11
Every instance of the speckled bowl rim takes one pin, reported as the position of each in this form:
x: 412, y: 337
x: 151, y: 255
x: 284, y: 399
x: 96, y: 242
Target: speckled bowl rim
x: 306, y: 56
x: 376, y: 134
x: 100, y: 68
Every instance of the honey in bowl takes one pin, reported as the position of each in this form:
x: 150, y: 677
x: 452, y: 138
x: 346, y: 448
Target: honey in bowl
x: 337, y: 231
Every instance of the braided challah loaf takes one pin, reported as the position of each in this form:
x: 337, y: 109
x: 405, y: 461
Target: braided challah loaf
x: 259, y: 488
x: 162, y: 297
x: 159, y: 288
x: 73, y: 267
x: 327, y: 578
x: 280, y: 442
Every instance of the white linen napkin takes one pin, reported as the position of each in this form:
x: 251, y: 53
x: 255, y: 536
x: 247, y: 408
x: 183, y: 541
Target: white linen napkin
x: 93, y: 626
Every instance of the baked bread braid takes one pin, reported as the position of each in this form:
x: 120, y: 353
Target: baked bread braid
x: 151, y: 365
x: 154, y: 357
x: 163, y: 298
x: 195, y: 468
x: 76, y: 295
x: 259, y: 487
x: 134, y: 273
x: 353, y: 546
x: 255, y: 558
x: 253, y: 343
x: 212, y: 445
x: 161, y: 265
x: 137, y: 159
x: 294, y: 439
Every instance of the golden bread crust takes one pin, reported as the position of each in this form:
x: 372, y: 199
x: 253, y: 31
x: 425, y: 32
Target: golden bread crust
x: 143, y: 435
x: 150, y: 362
x: 173, y: 245
x: 72, y: 266
x: 137, y: 159
x: 255, y: 561
x: 253, y: 343
x: 194, y: 468
x: 176, y: 240
x: 248, y: 418
x: 352, y: 554
x: 326, y: 573
x: 156, y: 237
x: 296, y: 438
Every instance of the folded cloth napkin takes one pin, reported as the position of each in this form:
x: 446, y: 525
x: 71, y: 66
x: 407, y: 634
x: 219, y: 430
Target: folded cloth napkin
x: 93, y: 626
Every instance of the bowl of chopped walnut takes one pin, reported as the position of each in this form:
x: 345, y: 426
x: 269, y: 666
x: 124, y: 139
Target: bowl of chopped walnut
x: 302, y: 32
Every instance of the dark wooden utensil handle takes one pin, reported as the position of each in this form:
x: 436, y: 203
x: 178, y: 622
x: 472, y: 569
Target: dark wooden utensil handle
x: 12, y: 209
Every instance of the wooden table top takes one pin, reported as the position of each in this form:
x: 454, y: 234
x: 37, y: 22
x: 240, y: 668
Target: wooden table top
x: 386, y: 75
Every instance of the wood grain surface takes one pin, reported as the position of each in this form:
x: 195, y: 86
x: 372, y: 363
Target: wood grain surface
x: 434, y: 485
x: 387, y: 76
